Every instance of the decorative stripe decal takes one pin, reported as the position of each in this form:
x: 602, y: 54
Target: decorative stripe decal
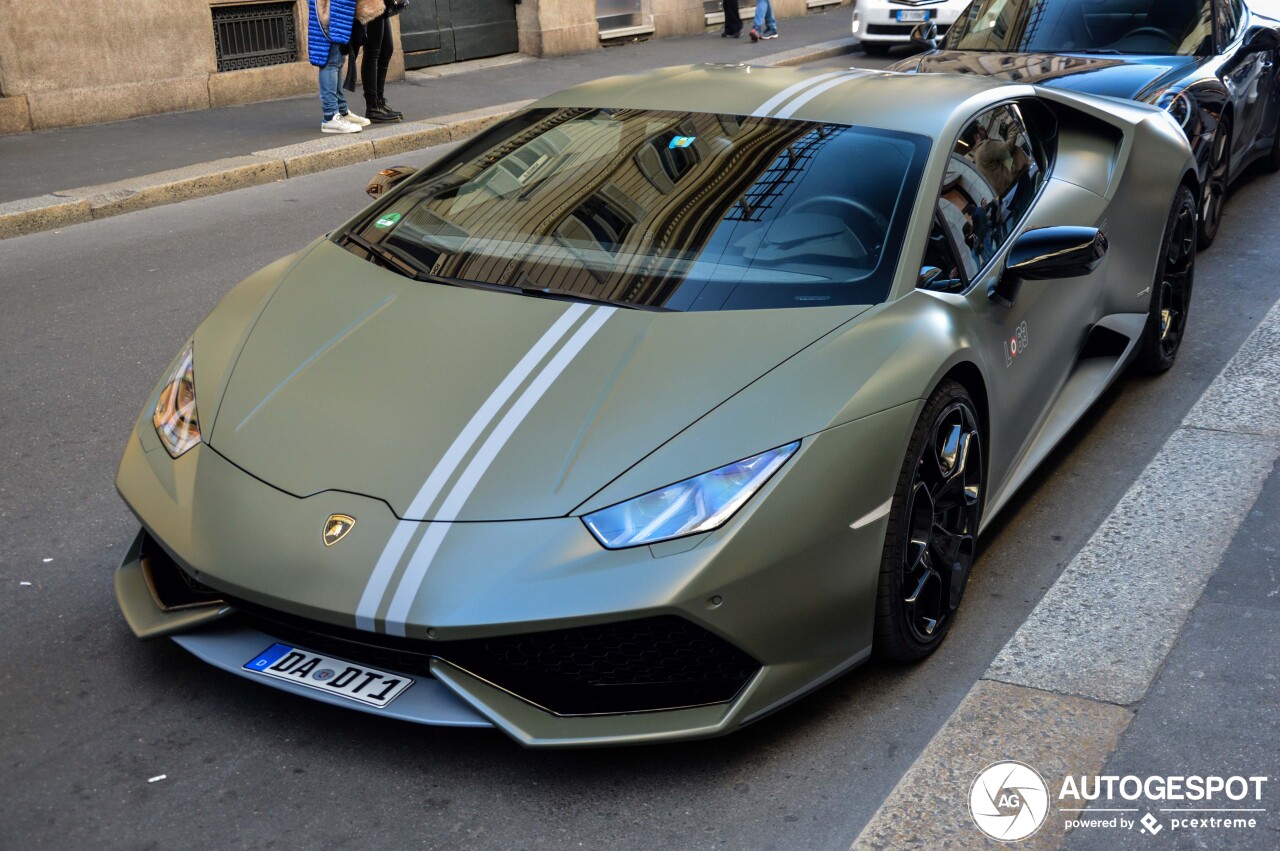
x: 421, y: 560
x: 774, y: 102
x: 867, y: 520
x: 791, y: 108
x: 376, y: 588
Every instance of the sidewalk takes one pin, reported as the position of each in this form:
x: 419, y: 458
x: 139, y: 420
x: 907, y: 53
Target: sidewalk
x: 117, y: 165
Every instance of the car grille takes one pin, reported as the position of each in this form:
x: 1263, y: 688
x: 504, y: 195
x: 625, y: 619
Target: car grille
x: 643, y: 665
x: 650, y: 664
x: 900, y: 29
x: 170, y: 585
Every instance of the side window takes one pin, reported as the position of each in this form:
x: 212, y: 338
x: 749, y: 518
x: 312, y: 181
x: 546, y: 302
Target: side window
x: 940, y: 271
x: 992, y: 177
x: 1228, y: 21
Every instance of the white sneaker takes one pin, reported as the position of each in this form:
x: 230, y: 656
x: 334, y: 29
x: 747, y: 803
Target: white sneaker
x: 338, y: 124
x: 356, y: 119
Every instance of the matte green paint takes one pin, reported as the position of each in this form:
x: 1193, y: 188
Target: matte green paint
x: 327, y: 385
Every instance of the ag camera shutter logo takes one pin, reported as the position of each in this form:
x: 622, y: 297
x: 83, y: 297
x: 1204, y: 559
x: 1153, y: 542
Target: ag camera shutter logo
x: 1009, y: 801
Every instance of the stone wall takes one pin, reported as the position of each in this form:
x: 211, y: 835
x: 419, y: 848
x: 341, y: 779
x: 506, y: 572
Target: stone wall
x: 105, y: 60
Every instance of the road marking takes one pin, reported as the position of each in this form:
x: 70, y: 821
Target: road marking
x: 1095, y: 643
x: 376, y: 588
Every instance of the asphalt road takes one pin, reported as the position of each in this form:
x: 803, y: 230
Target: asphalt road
x: 91, y: 316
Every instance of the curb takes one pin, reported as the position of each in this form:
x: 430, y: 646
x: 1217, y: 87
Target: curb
x: 1066, y: 686
x: 88, y: 203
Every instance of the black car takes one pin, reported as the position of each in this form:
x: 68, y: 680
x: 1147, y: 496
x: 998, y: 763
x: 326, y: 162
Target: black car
x: 1210, y: 63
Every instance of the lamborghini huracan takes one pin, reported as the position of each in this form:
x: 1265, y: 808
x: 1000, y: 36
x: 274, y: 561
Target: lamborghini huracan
x: 657, y: 404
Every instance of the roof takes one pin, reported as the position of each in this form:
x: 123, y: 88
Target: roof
x: 914, y: 103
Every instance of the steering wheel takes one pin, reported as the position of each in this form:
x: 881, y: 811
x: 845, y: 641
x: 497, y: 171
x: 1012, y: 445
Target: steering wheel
x: 1149, y: 31
x: 869, y: 227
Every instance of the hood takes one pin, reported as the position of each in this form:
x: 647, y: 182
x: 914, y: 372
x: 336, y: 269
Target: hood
x: 459, y: 404
x: 1130, y: 77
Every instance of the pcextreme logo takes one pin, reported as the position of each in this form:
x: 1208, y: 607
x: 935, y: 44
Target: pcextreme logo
x: 1009, y: 801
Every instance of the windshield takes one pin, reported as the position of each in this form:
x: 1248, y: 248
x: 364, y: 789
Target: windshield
x: 673, y: 210
x: 1161, y: 27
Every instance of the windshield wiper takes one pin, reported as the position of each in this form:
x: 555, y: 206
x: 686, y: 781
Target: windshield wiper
x: 388, y: 257
x: 565, y: 294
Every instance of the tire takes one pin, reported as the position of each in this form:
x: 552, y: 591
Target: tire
x: 1171, y: 289
x: 876, y: 48
x: 923, y: 573
x: 1215, y: 187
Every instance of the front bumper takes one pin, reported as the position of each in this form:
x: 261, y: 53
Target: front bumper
x: 880, y: 23
x: 792, y: 590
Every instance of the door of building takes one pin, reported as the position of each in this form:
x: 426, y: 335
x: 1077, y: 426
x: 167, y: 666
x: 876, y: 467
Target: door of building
x: 434, y: 32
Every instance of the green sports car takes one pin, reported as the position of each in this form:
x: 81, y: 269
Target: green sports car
x: 658, y: 404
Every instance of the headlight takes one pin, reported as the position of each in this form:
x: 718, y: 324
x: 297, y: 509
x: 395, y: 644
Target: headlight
x: 175, y: 415
x: 695, y: 505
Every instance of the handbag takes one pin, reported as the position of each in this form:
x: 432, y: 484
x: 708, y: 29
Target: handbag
x: 368, y: 10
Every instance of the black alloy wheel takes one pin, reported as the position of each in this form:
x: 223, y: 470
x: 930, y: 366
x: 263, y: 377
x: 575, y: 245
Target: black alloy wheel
x: 933, y: 526
x: 1171, y: 289
x: 1215, y: 191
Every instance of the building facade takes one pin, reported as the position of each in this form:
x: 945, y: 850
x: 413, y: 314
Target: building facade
x: 106, y: 60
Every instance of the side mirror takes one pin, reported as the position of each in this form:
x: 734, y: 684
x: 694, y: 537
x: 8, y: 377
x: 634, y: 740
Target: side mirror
x: 1045, y: 254
x: 1262, y: 40
x: 387, y: 179
x: 928, y: 274
x: 925, y: 35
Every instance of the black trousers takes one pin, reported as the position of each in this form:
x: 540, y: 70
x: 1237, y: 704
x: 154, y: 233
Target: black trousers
x: 379, y: 47
x: 732, y: 20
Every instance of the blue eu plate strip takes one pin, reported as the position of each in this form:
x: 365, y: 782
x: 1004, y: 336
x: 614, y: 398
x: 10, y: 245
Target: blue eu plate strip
x: 267, y: 657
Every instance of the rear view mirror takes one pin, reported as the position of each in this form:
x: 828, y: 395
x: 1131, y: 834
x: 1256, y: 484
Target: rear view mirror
x: 1262, y: 40
x: 1047, y: 253
x: 387, y: 179
x: 925, y: 35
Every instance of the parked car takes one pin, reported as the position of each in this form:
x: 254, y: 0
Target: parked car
x: 880, y: 24
x: 658, y: 404
x: 1211, y: 63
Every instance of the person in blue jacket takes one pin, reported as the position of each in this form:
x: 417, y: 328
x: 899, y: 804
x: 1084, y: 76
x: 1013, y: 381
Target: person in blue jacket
x: 328, y: 33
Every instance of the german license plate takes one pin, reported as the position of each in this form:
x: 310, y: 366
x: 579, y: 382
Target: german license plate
x: 913, y: 16
x: 326, y: 674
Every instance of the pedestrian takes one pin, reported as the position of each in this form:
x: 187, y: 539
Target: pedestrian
x: 732, y: 20
x: 765, y: 25
x: 329, y: 25
x: 372, y: 34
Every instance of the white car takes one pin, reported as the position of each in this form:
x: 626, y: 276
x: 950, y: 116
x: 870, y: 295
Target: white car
x: 880, y: 24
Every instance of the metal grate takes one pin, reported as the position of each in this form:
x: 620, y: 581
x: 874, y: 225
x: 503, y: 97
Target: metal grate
x: 254, y: 35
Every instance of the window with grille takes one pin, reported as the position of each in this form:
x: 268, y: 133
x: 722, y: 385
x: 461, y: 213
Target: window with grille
x: 254, y: 35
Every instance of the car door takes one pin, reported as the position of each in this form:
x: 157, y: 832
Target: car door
x: 997, y: 170
x: 1249, y: 77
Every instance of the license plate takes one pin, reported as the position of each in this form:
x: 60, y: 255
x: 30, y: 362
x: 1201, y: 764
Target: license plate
x: 913, y: 16
x: 333, y: 676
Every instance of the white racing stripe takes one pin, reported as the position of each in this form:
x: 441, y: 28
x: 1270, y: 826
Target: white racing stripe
x: 376, y: 588
x: 422, y: 557
x: 791, y: 108
x: 774, y: 102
